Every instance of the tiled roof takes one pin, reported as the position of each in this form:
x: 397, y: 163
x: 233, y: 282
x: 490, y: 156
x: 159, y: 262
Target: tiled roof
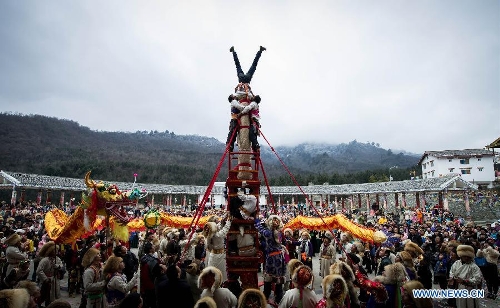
x: 35, y: 181
x: 495, y: 144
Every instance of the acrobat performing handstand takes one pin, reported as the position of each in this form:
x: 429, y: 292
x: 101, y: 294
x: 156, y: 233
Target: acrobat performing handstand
x: 243, y: 101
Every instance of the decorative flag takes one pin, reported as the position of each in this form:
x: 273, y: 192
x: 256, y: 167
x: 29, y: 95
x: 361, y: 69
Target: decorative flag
x: 61, y: 199
x: 467, y: 204
x: 39, y: 198
x: 445, y: 201
x: 49, y: 196
x: 13, y: 199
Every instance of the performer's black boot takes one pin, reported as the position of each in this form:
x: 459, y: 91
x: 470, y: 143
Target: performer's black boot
x: 262, y: 48
x: 267, y: 289
x: 231, y: 49
x: 278, y: 292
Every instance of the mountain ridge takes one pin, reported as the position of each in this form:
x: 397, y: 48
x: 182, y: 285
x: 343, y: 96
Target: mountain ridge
x: 52, y: 146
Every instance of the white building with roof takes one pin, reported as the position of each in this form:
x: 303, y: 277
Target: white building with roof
x: 474, y: 165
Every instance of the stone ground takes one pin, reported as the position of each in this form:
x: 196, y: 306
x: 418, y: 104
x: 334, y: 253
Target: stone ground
x: 484, y: 303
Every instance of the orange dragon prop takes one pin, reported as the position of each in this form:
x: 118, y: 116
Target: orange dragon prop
x: 337, y: 221
x: 100, y: 199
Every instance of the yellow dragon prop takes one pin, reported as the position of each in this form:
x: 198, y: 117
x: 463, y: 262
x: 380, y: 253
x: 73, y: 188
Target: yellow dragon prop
x: 100, y: 199
x: 337, y: 221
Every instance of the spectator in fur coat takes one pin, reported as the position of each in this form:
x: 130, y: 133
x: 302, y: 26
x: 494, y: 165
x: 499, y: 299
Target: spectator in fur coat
x: 334, y: 292
x: 393, y: 277
x: 15, y: 298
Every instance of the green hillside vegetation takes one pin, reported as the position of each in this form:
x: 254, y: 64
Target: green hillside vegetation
x: 51, y: 146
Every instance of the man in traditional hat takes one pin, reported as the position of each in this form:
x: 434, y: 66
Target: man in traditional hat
x: 187, y: 245
x: 93, y: 280
x: 210, y: 281
x: 290, y: 243
x: 358, y: 248
x: 302, y: 277
x: 274, y: 271
x: 215, y: 237
x: 465, y: 274
x: 407, y: 260
x: 327, y: 254
x: 393, y: 277
x: 346, y: 244
x: 48, y: 272
x: 13, y: 254
x: 173, y: 249
x: 490, y: 271
x: 192, y: 274
x: 305, y: 248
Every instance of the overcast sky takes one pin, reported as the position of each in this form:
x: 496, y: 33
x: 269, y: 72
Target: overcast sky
x: 410, y: 75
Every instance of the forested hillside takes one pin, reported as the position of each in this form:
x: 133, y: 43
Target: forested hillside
x: 51, y: 146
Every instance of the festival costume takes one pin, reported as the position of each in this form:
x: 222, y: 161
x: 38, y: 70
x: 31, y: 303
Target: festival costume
x: 306, y: 250
x: 301, y: 296
x: 222, y: 296
x: 192, y: 275
x: 242, y: 77
x: 245, y: 243
x: 13, y: 255
x: 491, y: 270
x: 14, y: 298
x: 94, y: 287
x: 409, y: 301
x: 291, y: 266
x: 375, y: 288
x: 117, y: 287
x: 252, y: 298
x: 327, y: 258
x: 241, y: 103
x: 470, y: 272
x: 215, y: 246
x: 150, y: 269
x: 244, y: 95
x: 290, y: 243
x: 394, y: 277
x: 407, y: 261
x: 335, y: 294
x: 343, y: 269
x: 47, y: 272
x: 274, y: 270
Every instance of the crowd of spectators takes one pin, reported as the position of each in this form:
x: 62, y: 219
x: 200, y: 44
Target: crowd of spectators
x: 442, y: 236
